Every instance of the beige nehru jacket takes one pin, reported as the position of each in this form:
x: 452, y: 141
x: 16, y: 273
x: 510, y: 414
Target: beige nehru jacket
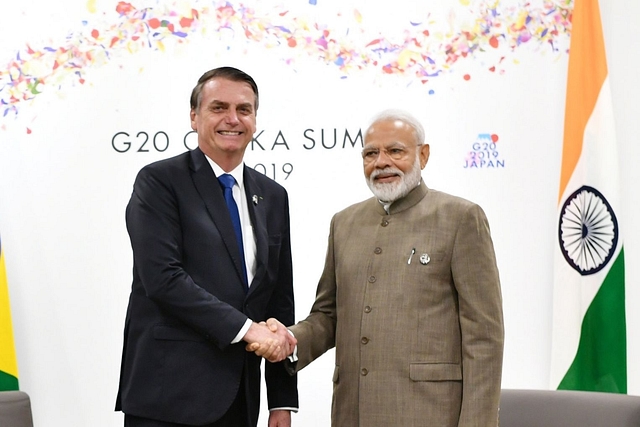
x: 411, y: 300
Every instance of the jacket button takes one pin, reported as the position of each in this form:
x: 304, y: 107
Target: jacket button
x: 372, y: 279
x: 377, y: 251
x: 384, y: 223
x: 367, y: 309
x: 364, y: 340
x: 364, y: 372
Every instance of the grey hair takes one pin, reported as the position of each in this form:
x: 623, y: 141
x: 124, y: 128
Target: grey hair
x: 403, y: 116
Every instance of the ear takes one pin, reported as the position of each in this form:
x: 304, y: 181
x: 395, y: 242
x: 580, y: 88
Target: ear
x: 192, y: 115
x: 424, y: 155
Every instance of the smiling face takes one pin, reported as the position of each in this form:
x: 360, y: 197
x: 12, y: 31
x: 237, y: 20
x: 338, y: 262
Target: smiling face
x: 225, y: 120
x: 393, y: 159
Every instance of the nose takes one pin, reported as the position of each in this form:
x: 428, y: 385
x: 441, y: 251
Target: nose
x: 231, y: 116
x: 383, y: 160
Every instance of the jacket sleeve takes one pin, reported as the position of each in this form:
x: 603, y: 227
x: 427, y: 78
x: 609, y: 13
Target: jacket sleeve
x: 282, y: 387
x: 317, y: 333
x: 476, y: 279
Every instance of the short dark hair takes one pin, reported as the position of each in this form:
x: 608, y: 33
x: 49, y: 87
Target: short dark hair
x: 228, y: 73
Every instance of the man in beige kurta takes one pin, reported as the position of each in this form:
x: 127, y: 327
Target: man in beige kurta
x: 410, y: 298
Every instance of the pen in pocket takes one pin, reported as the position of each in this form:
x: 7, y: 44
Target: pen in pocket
x: 413, y: 251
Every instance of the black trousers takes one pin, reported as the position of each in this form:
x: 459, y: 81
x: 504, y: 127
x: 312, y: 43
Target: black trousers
x: 236, y: 416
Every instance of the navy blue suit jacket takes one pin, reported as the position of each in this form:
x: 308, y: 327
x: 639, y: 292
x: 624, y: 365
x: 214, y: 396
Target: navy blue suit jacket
x: 187, y: 299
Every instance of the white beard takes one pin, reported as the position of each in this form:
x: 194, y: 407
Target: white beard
x: 392, y: 191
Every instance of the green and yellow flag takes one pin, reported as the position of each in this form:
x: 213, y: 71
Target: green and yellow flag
x: 8, y: 362
x: 589, y: 338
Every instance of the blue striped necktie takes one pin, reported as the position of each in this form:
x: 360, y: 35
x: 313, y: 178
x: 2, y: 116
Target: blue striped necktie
x: 227, y: 181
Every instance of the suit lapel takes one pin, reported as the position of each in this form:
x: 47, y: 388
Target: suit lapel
x: 258, y: 215
x: 209, y: 189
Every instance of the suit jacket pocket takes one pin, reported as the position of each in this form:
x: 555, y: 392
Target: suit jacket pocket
x: 173, y: 333
x: 435, y: 372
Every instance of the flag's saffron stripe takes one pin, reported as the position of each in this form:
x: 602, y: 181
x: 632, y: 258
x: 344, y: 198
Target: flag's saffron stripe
x: 601, y: 360
x: 587, y: 72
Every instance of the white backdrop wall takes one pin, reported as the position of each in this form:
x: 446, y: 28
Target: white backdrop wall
x: 66, y: 170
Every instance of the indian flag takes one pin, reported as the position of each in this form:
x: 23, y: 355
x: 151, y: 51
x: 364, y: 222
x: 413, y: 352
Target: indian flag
x: 589, y: 350
x: 8, y: 362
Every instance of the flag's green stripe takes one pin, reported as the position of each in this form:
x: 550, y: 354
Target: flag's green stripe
x: 8, y: 382
x: 601, y: 360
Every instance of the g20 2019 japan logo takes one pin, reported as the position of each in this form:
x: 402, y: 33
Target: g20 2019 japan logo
x: 484, y: 153
x: 588, y: 231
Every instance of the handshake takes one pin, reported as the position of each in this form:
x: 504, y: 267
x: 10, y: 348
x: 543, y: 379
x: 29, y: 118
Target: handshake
x: 271, y: 340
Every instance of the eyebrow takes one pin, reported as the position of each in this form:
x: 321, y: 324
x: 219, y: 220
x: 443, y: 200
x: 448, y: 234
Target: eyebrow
x: 216, y: 102
x: 390, y: 144
x: 246, y: 104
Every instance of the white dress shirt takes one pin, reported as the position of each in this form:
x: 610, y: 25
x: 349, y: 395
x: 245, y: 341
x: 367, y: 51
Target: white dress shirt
x: 248, y: 238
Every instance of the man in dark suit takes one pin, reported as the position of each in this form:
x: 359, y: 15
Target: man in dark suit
x: 208, y: 266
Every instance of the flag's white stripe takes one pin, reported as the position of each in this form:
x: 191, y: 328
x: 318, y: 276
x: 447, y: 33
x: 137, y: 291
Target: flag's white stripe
x: 573, y: 293
x: 600, y: 149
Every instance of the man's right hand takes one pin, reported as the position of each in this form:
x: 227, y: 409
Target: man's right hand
x: 274, y: 350
x: 270, y: 340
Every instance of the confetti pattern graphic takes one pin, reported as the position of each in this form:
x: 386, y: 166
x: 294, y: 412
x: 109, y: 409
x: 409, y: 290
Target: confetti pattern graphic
x: 424, y: 50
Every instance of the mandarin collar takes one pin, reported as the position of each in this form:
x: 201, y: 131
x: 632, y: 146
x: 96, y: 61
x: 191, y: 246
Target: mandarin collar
x: 404, y: 203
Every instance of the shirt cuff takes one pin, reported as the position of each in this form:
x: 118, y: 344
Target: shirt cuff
x: 243, y: 331
x: 284, y: 409
x: 294, y: 356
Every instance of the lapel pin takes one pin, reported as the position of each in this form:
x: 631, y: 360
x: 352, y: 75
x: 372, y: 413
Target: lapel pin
x: 255, y: 200
x: 424, y: 259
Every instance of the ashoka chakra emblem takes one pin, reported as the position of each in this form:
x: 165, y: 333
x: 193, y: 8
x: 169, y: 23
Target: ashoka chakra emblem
x: 588, y: 231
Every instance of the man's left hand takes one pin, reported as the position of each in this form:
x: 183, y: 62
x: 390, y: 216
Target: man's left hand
x: 280, y: 418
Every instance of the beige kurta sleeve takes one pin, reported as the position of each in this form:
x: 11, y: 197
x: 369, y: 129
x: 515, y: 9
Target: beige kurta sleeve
x: 316, y: 334
x: 476, y: 279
